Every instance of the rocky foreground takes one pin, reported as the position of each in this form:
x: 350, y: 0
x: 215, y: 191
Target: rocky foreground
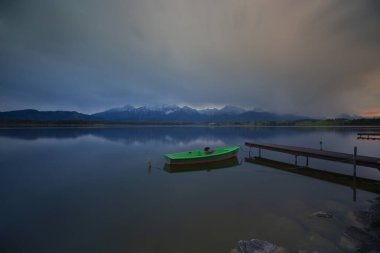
x: 257, y: 246
x: 364, y: 237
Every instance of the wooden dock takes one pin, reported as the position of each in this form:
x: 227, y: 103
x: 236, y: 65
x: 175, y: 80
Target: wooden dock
x: 369, y: 136
x: 367, y: 161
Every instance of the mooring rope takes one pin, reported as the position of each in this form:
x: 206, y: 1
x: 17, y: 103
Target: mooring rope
x: 151, y: 167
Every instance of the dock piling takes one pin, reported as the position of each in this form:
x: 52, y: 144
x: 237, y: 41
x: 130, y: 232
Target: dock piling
x: 354, y: 159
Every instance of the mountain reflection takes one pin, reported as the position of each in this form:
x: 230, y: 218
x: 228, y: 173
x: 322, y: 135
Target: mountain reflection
x: 162, y: 134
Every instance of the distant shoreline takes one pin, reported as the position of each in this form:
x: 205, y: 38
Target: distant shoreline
x: 368, y: 123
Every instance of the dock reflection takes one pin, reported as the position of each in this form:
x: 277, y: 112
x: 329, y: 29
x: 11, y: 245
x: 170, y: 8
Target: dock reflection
x: 365, y: 184
x: 202, y: 167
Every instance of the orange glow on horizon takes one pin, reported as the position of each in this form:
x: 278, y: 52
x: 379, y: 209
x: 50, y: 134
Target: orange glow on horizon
x: 371, y: 113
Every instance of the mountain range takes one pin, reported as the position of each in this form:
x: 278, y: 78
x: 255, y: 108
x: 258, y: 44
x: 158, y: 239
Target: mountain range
x: 162, y: 113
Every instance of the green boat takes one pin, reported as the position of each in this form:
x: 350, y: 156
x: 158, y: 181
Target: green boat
x: 206, y: 155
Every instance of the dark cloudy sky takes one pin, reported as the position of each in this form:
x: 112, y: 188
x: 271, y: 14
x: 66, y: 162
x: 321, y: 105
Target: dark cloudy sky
x: 315, y: 58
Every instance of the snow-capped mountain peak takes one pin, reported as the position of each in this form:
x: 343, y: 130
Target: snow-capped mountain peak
x: 125, y: 108
x: 230, y: 109
x: 161, y: 108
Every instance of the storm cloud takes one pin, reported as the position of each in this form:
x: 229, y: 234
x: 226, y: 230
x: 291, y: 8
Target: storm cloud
x: 317, y: 58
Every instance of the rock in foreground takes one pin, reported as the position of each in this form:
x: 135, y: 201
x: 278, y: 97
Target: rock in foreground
x: 367, y: 240
x: 257, y: 246
x: 322, y: 214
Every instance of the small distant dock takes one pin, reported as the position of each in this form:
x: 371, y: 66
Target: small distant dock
x: 369, y: 136
x: 367, y: 161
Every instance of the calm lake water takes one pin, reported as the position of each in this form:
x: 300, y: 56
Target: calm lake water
x: 90, y: 190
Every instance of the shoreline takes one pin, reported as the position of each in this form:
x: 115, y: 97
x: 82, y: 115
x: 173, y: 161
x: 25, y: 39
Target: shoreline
x: 139, y: 124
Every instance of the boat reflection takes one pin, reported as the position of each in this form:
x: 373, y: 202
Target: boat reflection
x: 200, y: 167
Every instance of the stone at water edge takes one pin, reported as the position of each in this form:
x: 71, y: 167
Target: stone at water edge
x: 322, y: 214
x: 363, y: 218
x: 357, y: 239
x: 374, y: 212
x: 257, y: 246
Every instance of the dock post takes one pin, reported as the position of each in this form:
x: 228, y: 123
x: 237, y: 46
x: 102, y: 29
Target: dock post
x: 249, y: 153
x: 354, y: 185
x: 320, y: 145
x: 307, y: 161
x: 295, y: 160
x: 355, y: 154
x: 260, y: 152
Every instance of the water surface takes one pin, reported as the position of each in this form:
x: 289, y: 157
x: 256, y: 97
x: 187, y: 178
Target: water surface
x: 90, y: 190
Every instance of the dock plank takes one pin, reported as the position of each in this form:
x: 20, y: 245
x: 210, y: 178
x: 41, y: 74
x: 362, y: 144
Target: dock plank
x: 369, y: 133
x: 368, y: 136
